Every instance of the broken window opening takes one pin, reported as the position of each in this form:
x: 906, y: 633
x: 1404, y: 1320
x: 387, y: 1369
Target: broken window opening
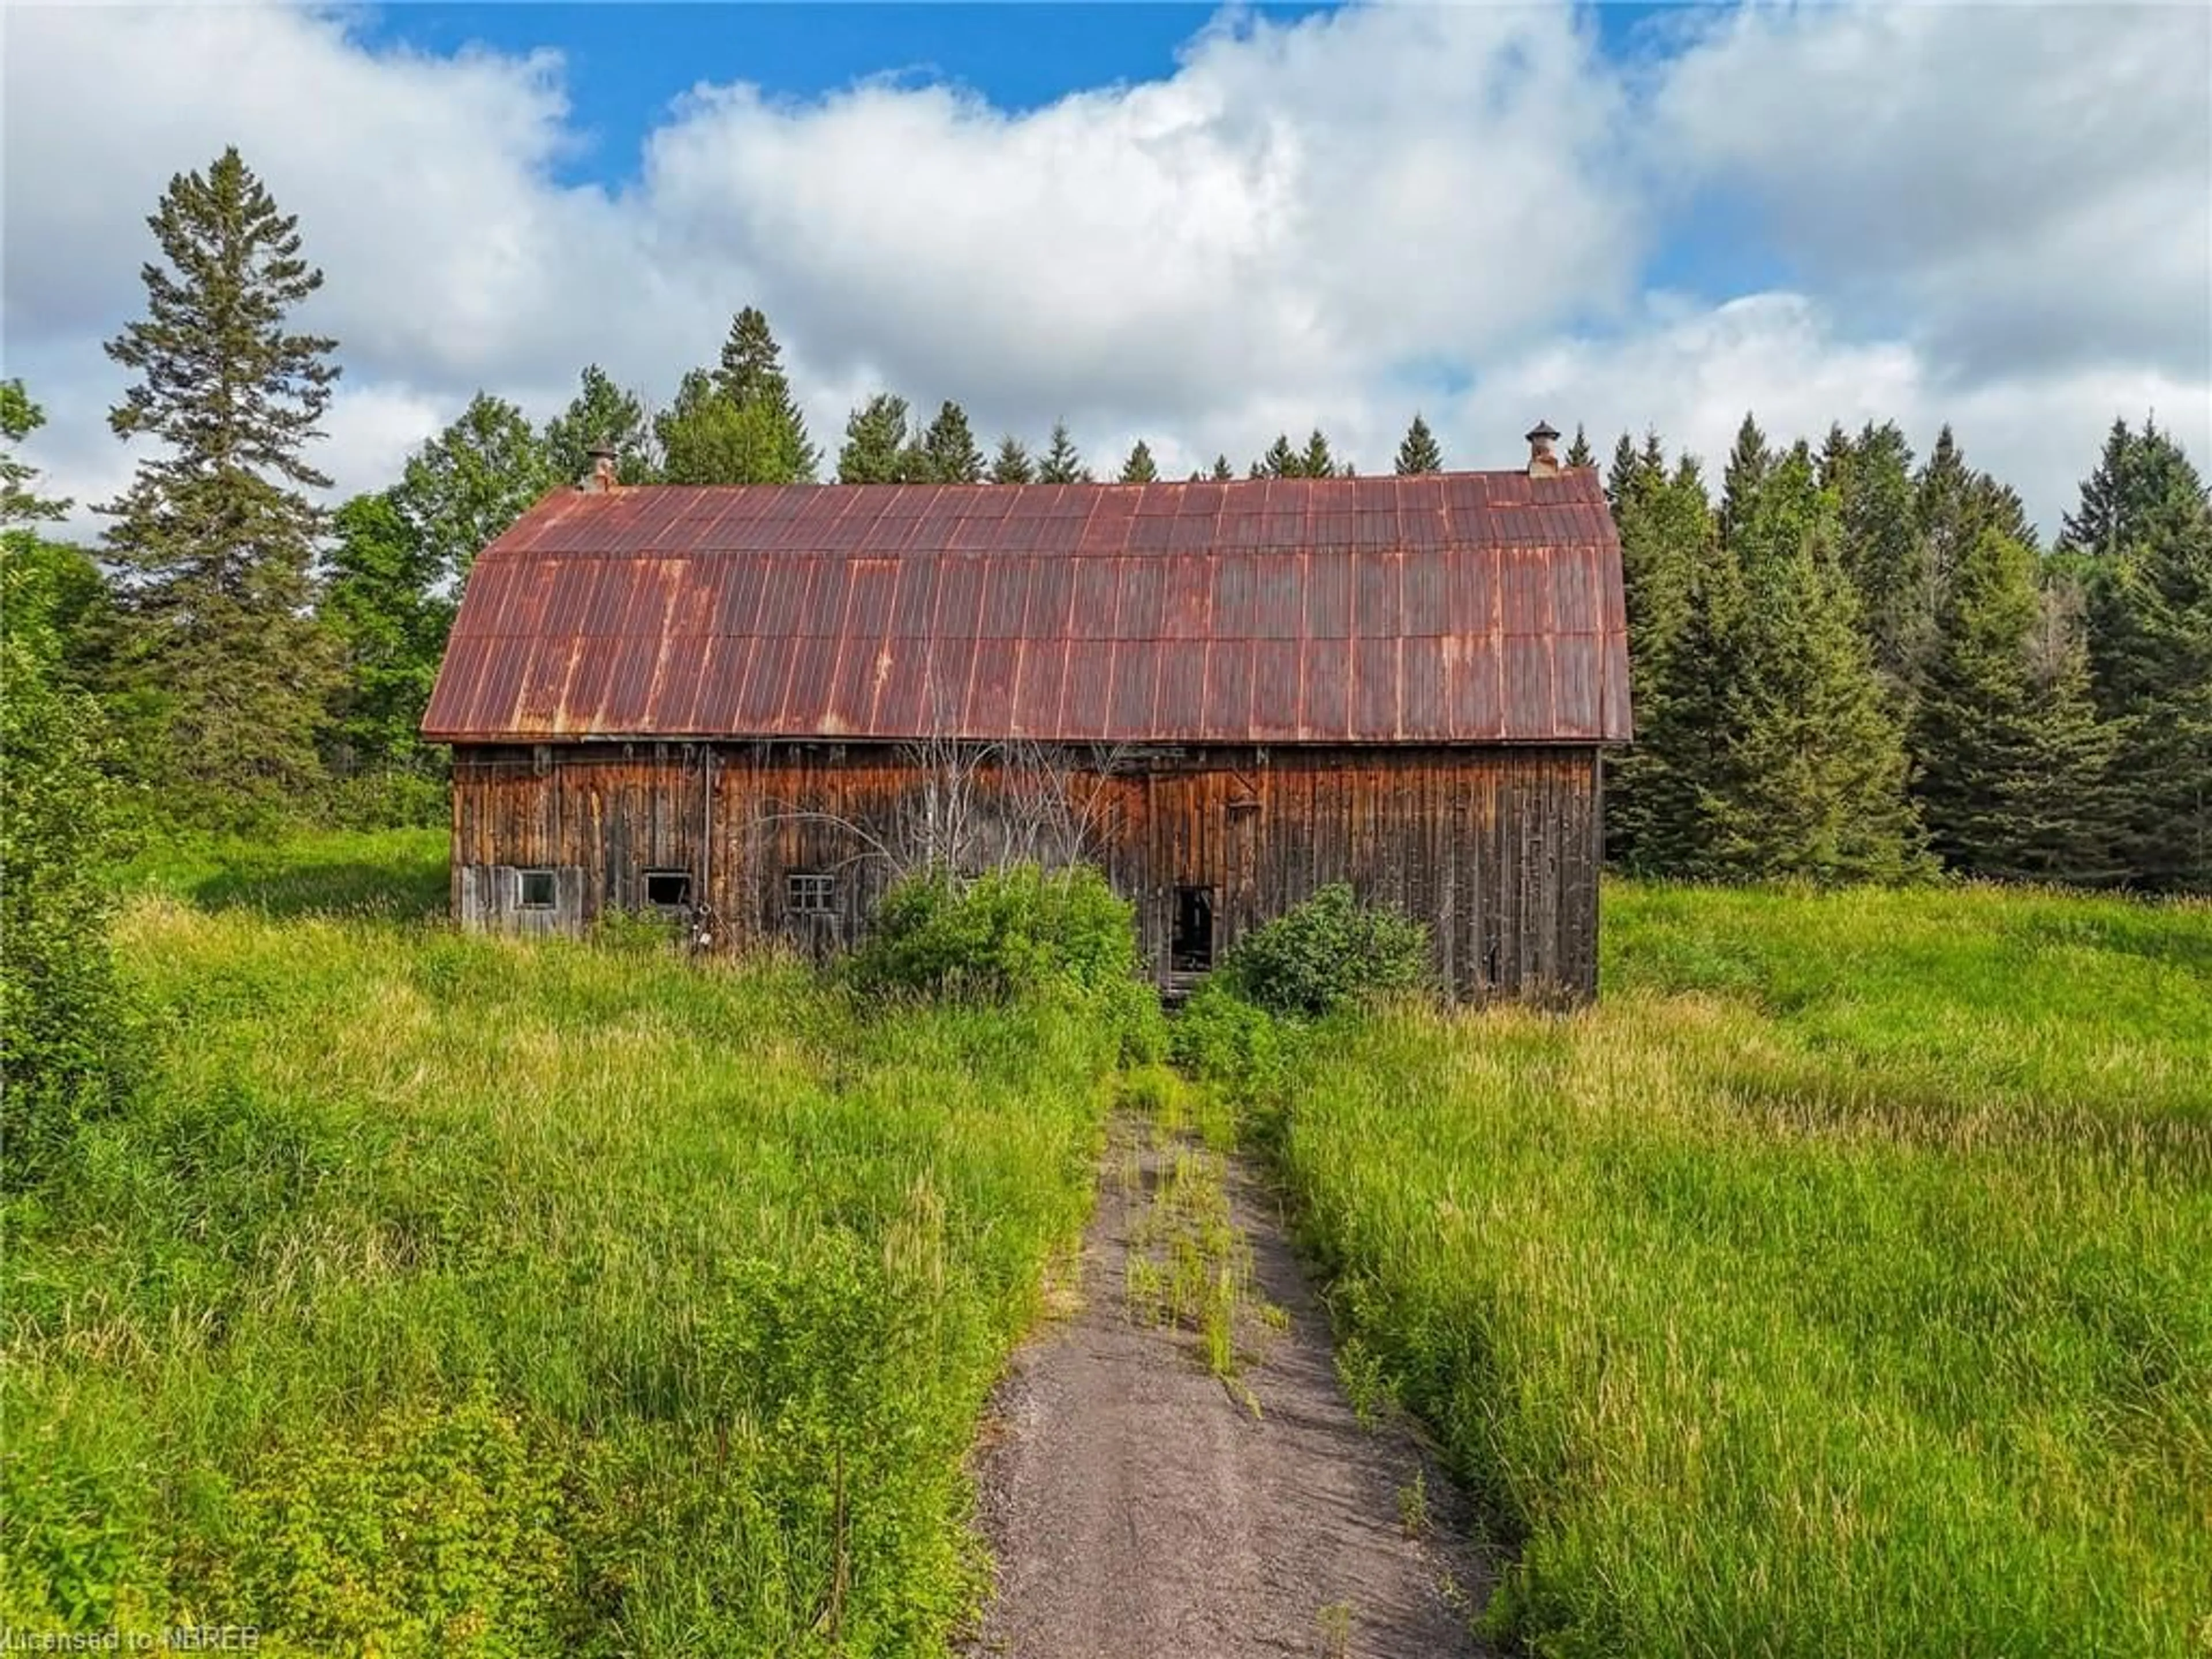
x: 1191, y: 949
x: 811, y: 894
x: 668, y: 890
x: 536, y: 889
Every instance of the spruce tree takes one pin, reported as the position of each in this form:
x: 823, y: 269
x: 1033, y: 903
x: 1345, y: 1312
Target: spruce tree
x: 750, y: 375
x: 464, y: 487
x: 2012, y: 781
x: 1012, y: 465
x: 1812, y: 779
x: 601, y: 415
x: 1280, y: 461
x: 1748, y: 464
x: 1317, y: 462
x: 1885, y: 553
x: 1062, y: 463
x: 1139, y: 468
x: 876, y: 443
x: 2145, y: 527
x: 1222, y: 471
x: 1579, y: 452
x: 949, y: 452
x: 1419, y: 451
x: 1668, y: 553
x: 1622, y: 473
x: 215, y: 535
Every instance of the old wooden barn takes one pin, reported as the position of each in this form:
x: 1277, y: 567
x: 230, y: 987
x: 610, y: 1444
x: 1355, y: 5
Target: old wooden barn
x: 748, y: 708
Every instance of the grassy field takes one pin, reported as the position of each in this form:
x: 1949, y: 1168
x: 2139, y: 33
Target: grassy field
x: 448, y: 1296
x: 1842, y: 1284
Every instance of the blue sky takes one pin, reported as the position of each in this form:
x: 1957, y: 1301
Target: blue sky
x: 1195, y: 226
x: 627, y: 62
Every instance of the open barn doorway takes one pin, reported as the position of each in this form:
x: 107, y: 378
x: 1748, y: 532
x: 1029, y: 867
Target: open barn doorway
x: 1190, y: 948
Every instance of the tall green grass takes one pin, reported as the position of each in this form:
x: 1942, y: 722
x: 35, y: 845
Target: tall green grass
x: 1842, y: 1284
x: 445, y: 1295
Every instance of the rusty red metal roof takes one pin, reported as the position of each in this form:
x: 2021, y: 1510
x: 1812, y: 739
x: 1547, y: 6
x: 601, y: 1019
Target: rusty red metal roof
x: 1470, y: 607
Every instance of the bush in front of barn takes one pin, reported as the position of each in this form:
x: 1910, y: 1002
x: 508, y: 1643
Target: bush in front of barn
x: 1328, y: 951
x: 1017, y: 931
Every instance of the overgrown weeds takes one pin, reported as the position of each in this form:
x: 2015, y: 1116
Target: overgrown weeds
x: 447, y: 1294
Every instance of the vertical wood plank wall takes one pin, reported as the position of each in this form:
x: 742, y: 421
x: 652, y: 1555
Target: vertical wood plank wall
x: 1497, y: 849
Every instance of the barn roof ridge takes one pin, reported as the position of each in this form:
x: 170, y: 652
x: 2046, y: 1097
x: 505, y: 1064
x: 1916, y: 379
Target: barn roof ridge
x: 1482, y: 607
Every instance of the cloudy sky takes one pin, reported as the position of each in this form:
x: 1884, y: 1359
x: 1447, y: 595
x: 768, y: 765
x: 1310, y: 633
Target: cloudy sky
x: 1199, y: 226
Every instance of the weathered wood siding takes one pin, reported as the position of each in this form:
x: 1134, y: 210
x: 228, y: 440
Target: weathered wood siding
x: 1496, y: 848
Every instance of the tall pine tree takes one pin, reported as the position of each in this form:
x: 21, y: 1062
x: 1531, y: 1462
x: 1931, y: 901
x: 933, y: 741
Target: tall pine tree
x: 1139, y: 468
x: 1062, y: 463
x: 2013, y: 781
x: 1012, y: 465
x: 751, y: 376
x: 1812, y: 776
x: 2145, y: 527
x: 215, y: 538
x: 1419, y: 451
x: 949, y: 451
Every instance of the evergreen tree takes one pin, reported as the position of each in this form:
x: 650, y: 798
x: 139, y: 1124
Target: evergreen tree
x: 1579, y: 452
x: 1012, y: 464
x: 1748, y: 464
x: 708, y: 437
x: 216, y: 535
x: 750, y: 375
x: 877, y: 449
x: 1139, y: 468
x: 1622, y: 473
x: 2145, y: 528
x: 385, y: 602
x: 1419, y: 451
x: 1812, y: 779
x: 1280, y: 461
x: 464, y: 487
x: 2014, y: 772
x: 1884, y: 552
x: 1062, y: 463
x: 1671, y: 584
x: 1317, y: 462
x: 600, y: 416
x: 1222, y: 470
x: 949, y: 452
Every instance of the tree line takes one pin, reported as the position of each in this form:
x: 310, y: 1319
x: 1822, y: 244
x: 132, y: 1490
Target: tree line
x: 1848, y: 663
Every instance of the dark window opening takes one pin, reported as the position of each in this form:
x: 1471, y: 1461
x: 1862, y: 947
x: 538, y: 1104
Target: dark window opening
x: 538, y: 890
x: 668, y: 890
x: 1191, y: 950
x: 811, y: 895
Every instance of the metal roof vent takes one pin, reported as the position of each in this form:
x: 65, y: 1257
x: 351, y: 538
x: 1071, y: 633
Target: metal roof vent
x: 602, y: 480
x: 1542, y: 464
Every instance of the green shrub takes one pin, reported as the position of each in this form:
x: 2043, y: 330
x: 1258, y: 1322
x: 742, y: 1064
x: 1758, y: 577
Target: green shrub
x: 999, y: 934
x: 1325, y: 952
x: 1023, y: 931
x: 65, y: 1055
x: 1218, y: 1038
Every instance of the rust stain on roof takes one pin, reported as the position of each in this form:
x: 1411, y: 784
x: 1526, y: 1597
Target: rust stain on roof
x: 1450, y: 607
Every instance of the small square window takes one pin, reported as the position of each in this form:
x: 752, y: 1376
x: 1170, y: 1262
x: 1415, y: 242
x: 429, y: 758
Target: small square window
x: 538, y: 890
x: 668, y: 890
x: 812, y: 895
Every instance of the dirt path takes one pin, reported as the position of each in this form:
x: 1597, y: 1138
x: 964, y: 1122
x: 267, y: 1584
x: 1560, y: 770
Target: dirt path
x: 1137, y: 1506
